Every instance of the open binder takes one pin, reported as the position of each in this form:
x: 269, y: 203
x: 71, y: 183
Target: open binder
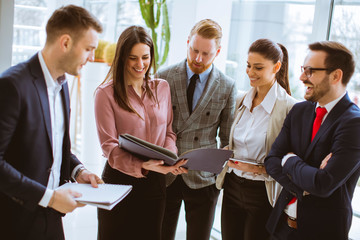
x: 106, y: 196
x: 203, y: 159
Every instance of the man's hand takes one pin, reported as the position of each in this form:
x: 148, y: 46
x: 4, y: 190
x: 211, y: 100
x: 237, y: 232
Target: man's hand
x: 85, y: 176
x: 158, y: 166
x: 325, y: 161
x: 63, y: 200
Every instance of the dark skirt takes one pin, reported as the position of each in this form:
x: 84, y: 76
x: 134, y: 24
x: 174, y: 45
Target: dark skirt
x: 140, y: 214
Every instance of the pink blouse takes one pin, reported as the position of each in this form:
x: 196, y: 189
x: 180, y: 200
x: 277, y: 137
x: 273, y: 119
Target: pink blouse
x: 155, y: 125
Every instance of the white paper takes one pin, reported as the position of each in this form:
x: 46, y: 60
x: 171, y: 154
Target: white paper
x: 106, y: 196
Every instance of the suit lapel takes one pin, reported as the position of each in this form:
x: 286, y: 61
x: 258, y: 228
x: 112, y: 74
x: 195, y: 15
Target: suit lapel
x: 334, y: 114
x: 66, y: 100
x: 238, y: 113
x: 180, y: 85
x: 40, y: 85
x: 275, y: 123
x: 211, y: 85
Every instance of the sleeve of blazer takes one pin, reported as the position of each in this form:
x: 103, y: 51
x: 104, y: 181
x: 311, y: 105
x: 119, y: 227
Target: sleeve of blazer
x: 227, y: 117
x: 345, y: 160
x: 280, y: 148
x: 13, y: 183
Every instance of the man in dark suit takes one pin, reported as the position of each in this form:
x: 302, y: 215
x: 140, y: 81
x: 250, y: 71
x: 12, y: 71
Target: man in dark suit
x: 203, y: 100
x: 35, y: 155
x: 316, y: 157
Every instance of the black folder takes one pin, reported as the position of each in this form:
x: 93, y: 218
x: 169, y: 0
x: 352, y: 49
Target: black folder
x: 203, y: 159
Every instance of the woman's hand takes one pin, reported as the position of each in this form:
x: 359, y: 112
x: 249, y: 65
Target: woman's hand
x: 246, y: 167
x: 158, y: 166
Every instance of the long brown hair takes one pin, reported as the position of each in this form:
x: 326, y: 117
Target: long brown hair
x: 274, y: 52
x: 128, y: 38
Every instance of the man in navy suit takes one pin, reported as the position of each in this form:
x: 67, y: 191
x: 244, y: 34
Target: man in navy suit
x: 316, y: 157
x: 35, y: 155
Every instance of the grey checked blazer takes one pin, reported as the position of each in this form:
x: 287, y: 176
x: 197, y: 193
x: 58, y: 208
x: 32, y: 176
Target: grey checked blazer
x: 212, y: 115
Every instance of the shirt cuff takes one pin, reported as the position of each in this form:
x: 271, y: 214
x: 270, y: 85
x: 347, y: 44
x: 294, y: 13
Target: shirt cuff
x: 74, y: 171
x: 44, y: 202
x: 286, y: 157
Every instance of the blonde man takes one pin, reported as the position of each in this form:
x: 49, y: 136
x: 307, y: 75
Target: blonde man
x: 203, y: 100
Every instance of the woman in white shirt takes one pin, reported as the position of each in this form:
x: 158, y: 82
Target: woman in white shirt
x: 259, y: 117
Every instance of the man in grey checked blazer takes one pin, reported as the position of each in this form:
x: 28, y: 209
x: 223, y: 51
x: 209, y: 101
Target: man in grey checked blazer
x: 212, y: 114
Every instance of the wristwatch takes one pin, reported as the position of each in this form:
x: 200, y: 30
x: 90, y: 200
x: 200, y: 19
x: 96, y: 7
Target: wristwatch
x: 78, y: 171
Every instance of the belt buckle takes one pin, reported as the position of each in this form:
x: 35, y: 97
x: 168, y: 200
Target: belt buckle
x: 291, y: 222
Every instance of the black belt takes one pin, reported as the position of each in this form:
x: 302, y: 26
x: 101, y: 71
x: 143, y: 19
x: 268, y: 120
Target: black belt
x: 291, y: 222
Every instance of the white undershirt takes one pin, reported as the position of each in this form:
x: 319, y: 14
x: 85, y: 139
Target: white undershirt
x: 57, y: 117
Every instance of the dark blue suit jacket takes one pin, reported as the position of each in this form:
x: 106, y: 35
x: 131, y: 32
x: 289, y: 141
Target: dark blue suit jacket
x: 326, y: 213
x: 26, y: 142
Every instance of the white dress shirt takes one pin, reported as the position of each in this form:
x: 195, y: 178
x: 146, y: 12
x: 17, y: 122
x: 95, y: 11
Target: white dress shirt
x: 291, y: 209
x: 57, y: 117
x: 250, y: 132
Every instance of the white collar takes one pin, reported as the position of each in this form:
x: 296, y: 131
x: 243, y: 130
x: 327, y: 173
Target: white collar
x: 269, y: 100
x: 329, y: 106
x: 50, y: 82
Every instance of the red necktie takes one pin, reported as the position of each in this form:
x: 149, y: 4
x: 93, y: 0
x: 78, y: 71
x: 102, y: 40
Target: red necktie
x: 320, y: 113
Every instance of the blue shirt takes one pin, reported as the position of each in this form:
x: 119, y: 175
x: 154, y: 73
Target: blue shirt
x: 200, y: 83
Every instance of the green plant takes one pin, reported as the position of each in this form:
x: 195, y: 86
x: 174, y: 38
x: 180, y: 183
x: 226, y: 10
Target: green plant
x: 152, y: 12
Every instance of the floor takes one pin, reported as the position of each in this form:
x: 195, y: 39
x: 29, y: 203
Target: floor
x: 82, y: 223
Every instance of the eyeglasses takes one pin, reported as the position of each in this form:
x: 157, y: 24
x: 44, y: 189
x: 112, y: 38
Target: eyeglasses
x: 308, y: 70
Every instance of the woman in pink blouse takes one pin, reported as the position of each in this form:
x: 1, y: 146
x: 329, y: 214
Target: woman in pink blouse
x: 128, y: 101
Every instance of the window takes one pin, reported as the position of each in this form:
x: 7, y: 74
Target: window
x: 286, y: 22
x: 345, y: 28
x: 29, y: 31
x: 30, y: 17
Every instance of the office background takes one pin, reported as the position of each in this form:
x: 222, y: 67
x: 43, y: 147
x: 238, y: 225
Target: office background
x: 290, y: 22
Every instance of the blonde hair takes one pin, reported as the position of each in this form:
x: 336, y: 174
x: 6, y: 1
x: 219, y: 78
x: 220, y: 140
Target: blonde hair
x: 208, y: 29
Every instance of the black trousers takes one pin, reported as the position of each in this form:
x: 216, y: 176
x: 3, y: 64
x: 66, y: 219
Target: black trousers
x: 199, y: 207
x: 139, y: 215
x: 245, y: 209
x: 19, y: 223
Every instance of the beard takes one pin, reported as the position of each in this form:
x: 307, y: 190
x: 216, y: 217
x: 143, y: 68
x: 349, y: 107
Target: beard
x: 319, y: 90
x: 200, y: 69
x: 70, y: 63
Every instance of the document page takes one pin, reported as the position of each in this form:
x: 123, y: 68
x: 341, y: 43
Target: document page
x: 105, y: 196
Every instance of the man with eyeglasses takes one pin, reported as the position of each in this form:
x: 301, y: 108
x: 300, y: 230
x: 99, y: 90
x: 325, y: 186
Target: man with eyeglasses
x: 316, y: 157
